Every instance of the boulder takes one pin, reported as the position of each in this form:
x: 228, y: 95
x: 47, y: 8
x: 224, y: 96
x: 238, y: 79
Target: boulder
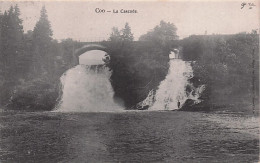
x: 190, y: 105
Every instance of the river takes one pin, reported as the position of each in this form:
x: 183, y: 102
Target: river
x: 133, y: 136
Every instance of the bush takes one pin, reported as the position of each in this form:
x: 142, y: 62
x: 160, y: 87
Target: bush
x: 34, y: 95
x: 225, y: 64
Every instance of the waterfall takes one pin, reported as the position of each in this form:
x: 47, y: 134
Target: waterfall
x: 173, y: 88
x: 87, y: 89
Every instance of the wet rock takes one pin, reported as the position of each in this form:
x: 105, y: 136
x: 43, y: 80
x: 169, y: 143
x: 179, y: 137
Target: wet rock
x: 195, y: 81
x: 190, y: 105
x: 144, y: 107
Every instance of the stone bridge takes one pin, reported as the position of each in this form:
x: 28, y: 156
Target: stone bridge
x: 88, y: 46
x: 85, y: 48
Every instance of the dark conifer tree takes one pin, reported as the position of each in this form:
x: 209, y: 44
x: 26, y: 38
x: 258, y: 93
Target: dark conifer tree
x: 42, y: 37
x: 42, y: 31
x: 127, y: 34
x: 115, y: 35
x: 11, y: 47
x: 11, y: 38
x: 1, y: 54
x: 1, y: 59
x: 20, y: 62
x: 4, y: 41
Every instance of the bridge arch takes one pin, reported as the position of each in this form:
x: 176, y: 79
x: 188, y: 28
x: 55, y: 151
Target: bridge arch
x: 86, y: 48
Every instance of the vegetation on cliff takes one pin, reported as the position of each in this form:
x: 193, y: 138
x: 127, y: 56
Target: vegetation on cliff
x: 138, y: 67
x: 30, y: 63
x: 229, y: 67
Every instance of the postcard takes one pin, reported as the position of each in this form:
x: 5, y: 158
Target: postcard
x: 129, y: 81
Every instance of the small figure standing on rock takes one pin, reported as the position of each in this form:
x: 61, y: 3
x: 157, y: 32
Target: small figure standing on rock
x: 178, y: 103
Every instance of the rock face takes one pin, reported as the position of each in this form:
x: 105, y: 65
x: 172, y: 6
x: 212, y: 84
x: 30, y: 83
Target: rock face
x: 144, y: 107
x: 191, y: 105
x: 188, y: 104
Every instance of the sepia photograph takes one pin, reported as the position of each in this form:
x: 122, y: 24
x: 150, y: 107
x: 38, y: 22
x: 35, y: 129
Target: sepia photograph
x: 129, y: 81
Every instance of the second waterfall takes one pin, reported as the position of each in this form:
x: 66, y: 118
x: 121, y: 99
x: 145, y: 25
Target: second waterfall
x: 173, y: 89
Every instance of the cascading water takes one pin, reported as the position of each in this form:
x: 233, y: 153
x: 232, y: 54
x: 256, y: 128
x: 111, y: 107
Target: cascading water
x: 87, y: 89
x: 173, y: 89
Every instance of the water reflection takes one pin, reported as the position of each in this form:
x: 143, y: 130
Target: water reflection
x: 130, y: 138
x: 121, y: 137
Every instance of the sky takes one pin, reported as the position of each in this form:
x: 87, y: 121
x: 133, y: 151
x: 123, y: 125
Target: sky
x: 92, y: 57
x: 79, y: 21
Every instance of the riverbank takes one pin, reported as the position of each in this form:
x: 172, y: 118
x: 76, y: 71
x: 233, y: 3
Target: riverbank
x: 133, y: 136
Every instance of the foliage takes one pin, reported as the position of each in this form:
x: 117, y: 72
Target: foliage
x: 162, y: 34
x: 35, y: 95
x: 137, y: 67
x: 225, y: 64
x: 67, y: 47
x: 11, y: 49
x: 124, y: 35
x: 26, y: 57
x: 12, y: 39
x: 42, y: 44
x: 127, y: 34
x: 42, y: 32
x: 192, y: 48
x: 115, y: 35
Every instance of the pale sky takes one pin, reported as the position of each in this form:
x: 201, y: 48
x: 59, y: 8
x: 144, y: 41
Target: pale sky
x: 92, y: 57
x: 78, y: 20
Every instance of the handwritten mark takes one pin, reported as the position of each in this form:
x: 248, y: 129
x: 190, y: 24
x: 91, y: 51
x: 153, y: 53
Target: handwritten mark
x: 243, y: 5
x: 251, y: 5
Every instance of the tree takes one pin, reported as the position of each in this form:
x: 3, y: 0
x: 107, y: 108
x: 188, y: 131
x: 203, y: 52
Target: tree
x: 11, y: 49
x: 127, y: 34
x: 115, y: 35
x: 226, y: 66
x: 42, y: 32
x: 20, y: 61
x: 17, y: 21
x: 42, y: 37
x: 191, y: 48
x: 4, y: 43
x: 12, y: 40
x: 162, y: 34
x: 123, y: 35
x: 1, y: 55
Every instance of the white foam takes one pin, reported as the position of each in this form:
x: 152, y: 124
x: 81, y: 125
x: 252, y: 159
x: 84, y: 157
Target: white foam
x: 87, y: 89
x: 173, y: 88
